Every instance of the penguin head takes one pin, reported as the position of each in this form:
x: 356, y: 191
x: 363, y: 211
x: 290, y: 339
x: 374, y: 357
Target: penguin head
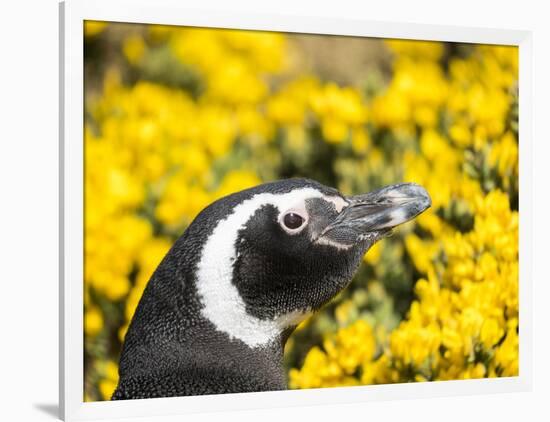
x: 278, y: 252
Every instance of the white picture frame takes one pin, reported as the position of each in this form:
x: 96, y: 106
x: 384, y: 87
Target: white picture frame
x: 73, y: 13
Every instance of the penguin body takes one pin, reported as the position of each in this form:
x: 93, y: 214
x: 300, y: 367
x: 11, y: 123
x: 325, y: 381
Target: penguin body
x: 219, y: 308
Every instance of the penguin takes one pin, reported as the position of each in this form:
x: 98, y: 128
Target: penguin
x: 217, y: 311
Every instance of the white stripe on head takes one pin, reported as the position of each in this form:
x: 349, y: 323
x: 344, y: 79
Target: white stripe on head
x: 329, y: 242
x: 222, y: 304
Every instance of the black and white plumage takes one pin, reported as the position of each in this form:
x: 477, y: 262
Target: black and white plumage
x: 219, y: 308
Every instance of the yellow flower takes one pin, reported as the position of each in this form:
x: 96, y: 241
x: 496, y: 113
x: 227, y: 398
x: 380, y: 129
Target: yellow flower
x: 117, y: 288
x: 419, y: 49
x: 93, y: 28
x: 504, y: 156
x: 360, y: 140
x: 373, y: 254
x: 390, y: 110
x: 334, y: 131
x: 344, y: 104
x: 93, y: 321
x: 343, y: 312
x: 490, y: 333
x: 134, y: 48
x: 235, y: 181
x: 107, y: 388
x: 343, y: 354
x: 461, y: 134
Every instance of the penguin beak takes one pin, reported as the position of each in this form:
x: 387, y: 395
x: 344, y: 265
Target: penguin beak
x: 377, y: 212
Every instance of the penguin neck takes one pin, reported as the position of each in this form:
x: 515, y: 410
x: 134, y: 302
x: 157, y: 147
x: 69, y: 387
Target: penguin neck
x: 169, y: 334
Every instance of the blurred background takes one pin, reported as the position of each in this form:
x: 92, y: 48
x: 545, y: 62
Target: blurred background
x: 177, y: 117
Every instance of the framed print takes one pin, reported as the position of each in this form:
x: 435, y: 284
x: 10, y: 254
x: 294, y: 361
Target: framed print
x: 294, y: 210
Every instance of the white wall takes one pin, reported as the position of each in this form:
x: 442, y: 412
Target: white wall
x: 28, y: 207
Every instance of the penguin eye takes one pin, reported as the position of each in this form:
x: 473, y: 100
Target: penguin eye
x: 293, y: 221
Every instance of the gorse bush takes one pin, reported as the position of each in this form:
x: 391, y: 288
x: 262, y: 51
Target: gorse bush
x: 455, y: 132
x: 178, y: 117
